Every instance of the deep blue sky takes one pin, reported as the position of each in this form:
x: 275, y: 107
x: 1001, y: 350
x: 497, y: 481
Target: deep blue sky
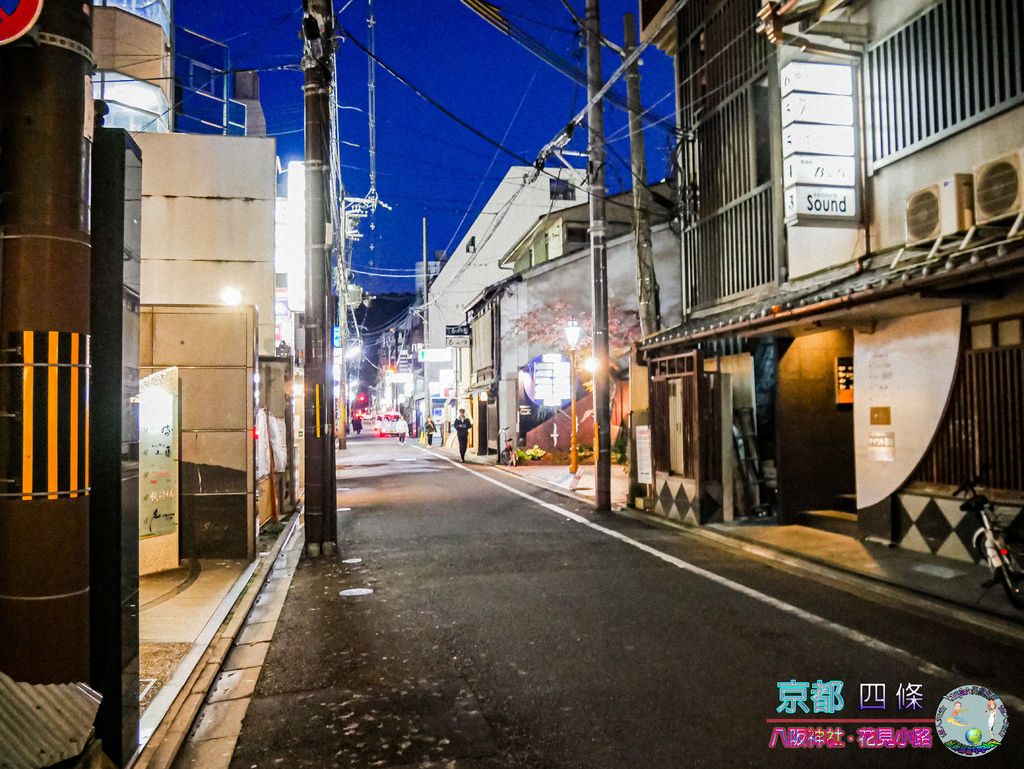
x: 428, y: 165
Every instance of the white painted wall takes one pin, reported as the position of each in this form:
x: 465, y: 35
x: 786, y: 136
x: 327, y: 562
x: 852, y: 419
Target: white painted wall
x: 907, y: 366
x: 208, y: 222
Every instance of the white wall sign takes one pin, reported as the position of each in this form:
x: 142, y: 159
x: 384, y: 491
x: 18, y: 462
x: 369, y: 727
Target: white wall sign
x: 458, y: 341
x: 809, y: 200
x: 820, y: 170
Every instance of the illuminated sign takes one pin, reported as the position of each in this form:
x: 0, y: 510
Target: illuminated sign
x: 817, y: 108
x: 812, y: 77
x: 808, y: 200
x: 819, y: 169
x: 819, y: 144
x: 817, y: 140
x: 548, y: 381
x: 435, y: 355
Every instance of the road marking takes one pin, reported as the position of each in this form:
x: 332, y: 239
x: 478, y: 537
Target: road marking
x: 871, y: 642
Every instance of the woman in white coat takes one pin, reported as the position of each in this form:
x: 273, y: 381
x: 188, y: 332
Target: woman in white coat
x: 402, y: 428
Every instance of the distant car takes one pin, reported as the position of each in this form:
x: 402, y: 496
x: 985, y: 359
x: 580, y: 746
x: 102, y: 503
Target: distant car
x: 387, y: 424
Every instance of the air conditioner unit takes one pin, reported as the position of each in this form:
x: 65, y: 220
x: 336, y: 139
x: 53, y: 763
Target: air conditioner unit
x: 999, y: 187
x: 940, y: 209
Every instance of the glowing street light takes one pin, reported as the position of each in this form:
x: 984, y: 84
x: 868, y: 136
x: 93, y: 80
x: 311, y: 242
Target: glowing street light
x: 572, y: 334
x: 230, y: 295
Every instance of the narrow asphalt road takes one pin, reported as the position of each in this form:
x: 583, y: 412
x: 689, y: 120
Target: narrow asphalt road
x: 509, y: 627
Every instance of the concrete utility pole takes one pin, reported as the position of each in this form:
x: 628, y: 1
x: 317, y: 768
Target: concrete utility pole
x: 44, y: 347
x: 599, y: 259
x: 646, y: 281
x: 318, y: 416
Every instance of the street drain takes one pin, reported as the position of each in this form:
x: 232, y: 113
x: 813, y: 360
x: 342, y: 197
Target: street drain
x: 353, y: 591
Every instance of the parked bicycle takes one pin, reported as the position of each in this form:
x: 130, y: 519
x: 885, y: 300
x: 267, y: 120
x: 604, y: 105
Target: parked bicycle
x: 507, y: 456
x: 1001, y: 546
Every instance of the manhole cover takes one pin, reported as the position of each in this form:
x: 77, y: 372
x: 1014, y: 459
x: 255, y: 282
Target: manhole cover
x: 353, y: 591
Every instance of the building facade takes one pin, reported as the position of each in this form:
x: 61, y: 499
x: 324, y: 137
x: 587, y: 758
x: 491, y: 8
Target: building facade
x: 851, y: 181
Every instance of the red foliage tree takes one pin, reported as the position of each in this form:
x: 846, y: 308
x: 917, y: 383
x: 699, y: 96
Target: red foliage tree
x: 545, y: 326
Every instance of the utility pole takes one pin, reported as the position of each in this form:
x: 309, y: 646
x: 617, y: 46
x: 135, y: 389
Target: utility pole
x: 646, y: 281
x: 45, y: 253
x: 318, y: 417
x: 599, y: 259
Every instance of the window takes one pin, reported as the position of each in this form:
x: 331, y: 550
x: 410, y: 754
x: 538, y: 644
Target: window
x: 560, y: 189
x: 471, y: 245
x: 953, y: 66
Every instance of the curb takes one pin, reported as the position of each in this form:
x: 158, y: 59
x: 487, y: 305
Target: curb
x: 979, y: 617
x: 167, y: 740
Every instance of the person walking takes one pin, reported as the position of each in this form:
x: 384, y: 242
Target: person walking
x: 429, y: 429
x: 402, y: 428
x: 462, y: 427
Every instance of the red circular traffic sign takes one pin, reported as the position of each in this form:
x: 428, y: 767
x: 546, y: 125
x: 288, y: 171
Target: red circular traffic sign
x: 15, y: 23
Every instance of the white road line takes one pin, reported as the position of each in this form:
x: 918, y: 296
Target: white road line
x: 871, y: 642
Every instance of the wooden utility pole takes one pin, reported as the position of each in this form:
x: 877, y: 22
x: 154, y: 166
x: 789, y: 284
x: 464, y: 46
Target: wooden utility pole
x: 318, y: 417
x: 599, y: 260
x: 646, y: 281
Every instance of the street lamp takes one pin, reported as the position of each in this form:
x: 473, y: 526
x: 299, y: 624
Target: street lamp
x: 572, y: 334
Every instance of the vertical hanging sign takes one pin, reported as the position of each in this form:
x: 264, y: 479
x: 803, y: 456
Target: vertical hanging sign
x: 819, y: 144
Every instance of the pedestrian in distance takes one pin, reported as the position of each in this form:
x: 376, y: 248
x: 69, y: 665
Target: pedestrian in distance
x: 429, y: 429
x: 402, y: 428
x: 462, y: 427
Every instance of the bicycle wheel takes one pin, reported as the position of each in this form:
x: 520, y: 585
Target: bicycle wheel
x: 505, y: 457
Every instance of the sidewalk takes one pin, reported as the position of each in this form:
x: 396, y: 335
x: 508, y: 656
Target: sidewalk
x: 862, y: 564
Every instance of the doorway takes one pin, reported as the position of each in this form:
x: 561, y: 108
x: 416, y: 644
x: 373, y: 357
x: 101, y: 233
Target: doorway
x: 815, y: 450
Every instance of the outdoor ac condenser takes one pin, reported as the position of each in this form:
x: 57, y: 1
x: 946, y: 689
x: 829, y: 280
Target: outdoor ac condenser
x: 940, y: 209
x: 999, y: 187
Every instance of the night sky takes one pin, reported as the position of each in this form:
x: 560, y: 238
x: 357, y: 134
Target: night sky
x: 427, y: 164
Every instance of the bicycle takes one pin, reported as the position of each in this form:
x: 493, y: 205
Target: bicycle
x: 1001, y: 547
x: 507, y: 456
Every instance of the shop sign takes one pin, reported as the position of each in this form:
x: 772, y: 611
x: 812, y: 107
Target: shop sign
x: 435, y: 355
x: 804, y: 138
x: 844, y: 380
x: 644, y: 466
x: 812, y: 77
x: 548, y: 380
x: 817, y: 108
x: 16, y: 21
x: 807, y: 200
x: 819, y: 144
x: 820, y: 170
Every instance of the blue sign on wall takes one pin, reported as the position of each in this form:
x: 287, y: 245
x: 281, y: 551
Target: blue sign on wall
x: 337, y: 336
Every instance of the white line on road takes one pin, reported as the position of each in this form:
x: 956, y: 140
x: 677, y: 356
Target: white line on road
x: 849, y: 633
